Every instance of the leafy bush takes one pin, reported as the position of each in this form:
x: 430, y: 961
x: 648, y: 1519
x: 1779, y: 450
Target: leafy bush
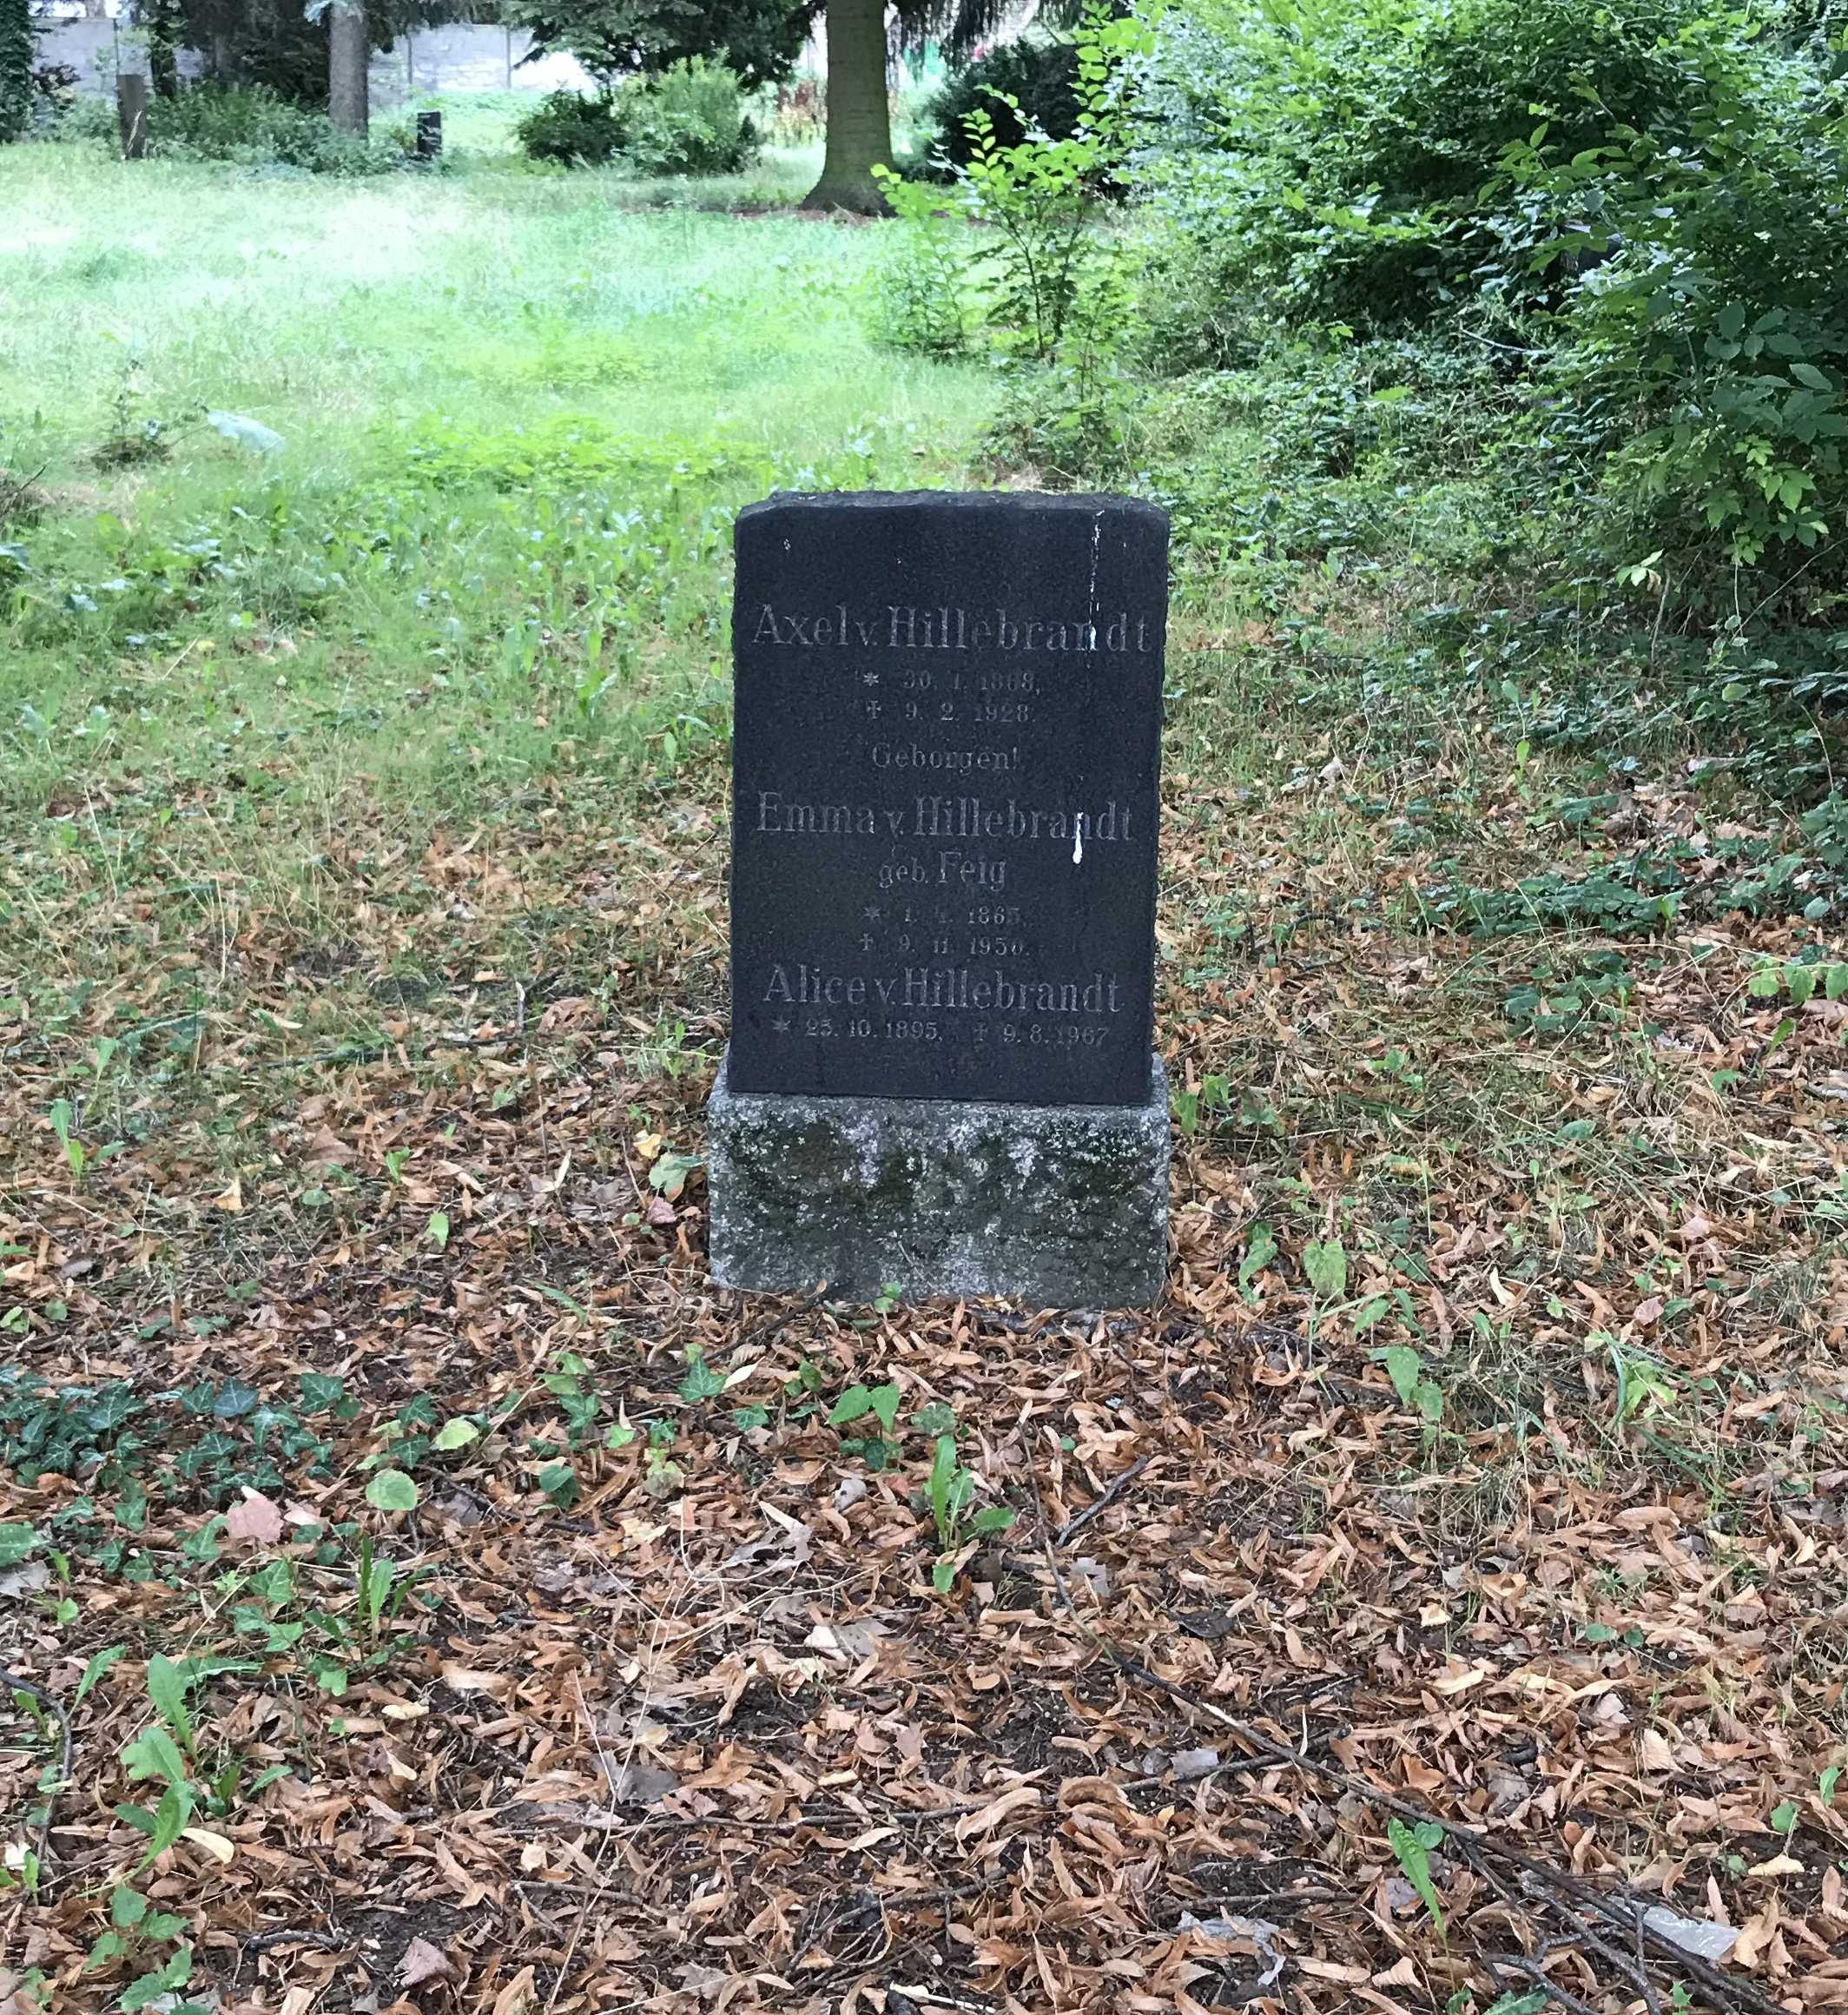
x: 688, y: 119
x: 1044, y: 281
x: 245, y: 124
x: 1706, y: 353
x: 1332, y: 159
x: 571, y: 128
x: 1041, y: 77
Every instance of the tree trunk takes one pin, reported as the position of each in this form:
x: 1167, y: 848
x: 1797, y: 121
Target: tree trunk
x: 16, y: 68
x: 131, y: 114
x: 349, y: 52
x: 858, y: 113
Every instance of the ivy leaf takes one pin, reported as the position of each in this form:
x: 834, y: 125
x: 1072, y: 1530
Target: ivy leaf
x: 454, y: 1434
x: 16, y: 1542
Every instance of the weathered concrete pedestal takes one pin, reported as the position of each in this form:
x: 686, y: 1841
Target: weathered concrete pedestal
x: 1060, y: 1206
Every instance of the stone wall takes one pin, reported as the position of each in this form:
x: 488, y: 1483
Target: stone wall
x: 464, y: 56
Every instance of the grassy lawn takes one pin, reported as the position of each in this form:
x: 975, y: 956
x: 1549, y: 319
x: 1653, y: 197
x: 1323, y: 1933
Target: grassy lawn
x: 362, y: 971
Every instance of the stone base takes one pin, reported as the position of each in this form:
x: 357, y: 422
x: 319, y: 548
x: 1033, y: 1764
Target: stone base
x: 1060, y: 1206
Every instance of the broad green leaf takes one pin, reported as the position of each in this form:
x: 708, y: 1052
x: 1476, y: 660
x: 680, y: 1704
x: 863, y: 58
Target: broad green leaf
x: 153, y: 1754
x: 1826, y: 1783
x: 701, y: 1381
x: 883, y: 1399
x: 670, y: 1173
x: 1404, y: 1367
x: 1326, y: 1264
x: 856, y: 1400
x: 437, y: 1230
x: 127, y: 1906
x: 992, y: 1518
x: 392, y: 1490
x: 1260, y: 1249
x: 454, y: 1434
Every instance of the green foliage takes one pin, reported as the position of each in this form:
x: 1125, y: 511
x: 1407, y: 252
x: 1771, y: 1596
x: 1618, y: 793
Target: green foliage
x: 691, y: 120
x: 1038, y: 278
x: 136, y: 1932
x: 572, y: 129
x: 1411, y: 1847
x: 947, y: 1491
x: 1705, y: 356
x: 253, y: 126
x: 758, y: 41
x: 687, y: 119
x: 392, y: 1490
x: 1332, y: 159
x: 1027, y: 86
x: 1636, y: 218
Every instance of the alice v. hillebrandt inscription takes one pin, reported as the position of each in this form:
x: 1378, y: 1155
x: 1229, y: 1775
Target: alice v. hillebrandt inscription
x: 945, y: 784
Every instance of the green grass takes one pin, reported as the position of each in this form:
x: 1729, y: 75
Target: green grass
x: 517, y: 418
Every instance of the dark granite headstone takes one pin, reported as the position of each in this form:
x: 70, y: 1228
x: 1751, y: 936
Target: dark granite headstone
x: 945, y: 791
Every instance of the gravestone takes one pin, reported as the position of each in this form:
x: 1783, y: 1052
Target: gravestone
x: 945, y: 794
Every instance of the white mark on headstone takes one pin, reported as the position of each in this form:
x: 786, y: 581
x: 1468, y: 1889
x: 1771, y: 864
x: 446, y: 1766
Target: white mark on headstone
x: 1078, y: 840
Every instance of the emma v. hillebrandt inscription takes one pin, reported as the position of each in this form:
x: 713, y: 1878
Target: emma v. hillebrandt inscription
x: 945, y: 783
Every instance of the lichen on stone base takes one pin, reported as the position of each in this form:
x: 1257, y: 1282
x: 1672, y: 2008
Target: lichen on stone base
x: 1063, y: 1206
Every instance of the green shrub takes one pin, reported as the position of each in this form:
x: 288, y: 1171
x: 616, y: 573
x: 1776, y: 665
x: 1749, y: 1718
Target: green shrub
x: 1703, y: 356
x: 1332, y: 161
x: 247, y: 124
x: 688, y: 119
x: 571, y: 128
x: 1041, y: 76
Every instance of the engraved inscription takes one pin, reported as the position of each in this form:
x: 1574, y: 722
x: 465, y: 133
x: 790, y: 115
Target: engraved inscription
x: 944, y: 805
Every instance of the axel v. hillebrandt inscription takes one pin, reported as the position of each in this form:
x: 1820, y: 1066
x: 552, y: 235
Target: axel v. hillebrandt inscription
x: 950, y: 629
x: 945, y: 796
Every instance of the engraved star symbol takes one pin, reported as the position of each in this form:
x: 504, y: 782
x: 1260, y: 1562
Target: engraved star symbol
x: 780, y: 1025
x: 872, y: 913
x: 869, y: 677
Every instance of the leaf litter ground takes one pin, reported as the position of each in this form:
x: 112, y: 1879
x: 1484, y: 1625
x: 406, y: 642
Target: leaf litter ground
x: 525, y: 1633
